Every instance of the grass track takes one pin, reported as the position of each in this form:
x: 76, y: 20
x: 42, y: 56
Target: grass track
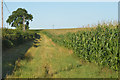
x: 50, y: 60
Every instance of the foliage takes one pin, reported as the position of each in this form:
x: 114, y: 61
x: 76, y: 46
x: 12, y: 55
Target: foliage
x: 99, y: 45
x: 17, y: 17
x: 12, y: 38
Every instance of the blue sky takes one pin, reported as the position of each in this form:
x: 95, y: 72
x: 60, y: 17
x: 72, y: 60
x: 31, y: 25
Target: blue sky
x: 65, y: 14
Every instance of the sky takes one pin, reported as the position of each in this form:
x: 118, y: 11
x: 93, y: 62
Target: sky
x: 49, y: 15
x: 62, y: 0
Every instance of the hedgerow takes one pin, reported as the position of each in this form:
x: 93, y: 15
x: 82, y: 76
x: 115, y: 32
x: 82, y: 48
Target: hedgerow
x: 13, y: 37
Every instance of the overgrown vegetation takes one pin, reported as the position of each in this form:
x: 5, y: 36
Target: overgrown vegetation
x: 99, y: 45
x: 53, y: 61
x: 14, y: 37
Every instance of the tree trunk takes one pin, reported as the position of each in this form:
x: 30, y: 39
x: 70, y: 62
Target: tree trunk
x: 23, y: 23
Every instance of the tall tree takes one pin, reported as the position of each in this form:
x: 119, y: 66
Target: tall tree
x: 20, y: 19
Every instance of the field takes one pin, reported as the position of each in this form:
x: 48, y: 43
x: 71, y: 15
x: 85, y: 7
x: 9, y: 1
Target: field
x: 99, y: 45
x: 60, y: 40
x: 64, y: 31
x: 63, y: 53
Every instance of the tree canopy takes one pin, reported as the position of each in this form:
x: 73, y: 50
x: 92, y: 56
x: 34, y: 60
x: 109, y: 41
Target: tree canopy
x: 20, y: 19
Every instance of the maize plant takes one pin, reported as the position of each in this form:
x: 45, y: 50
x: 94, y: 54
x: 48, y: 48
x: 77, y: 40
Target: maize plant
x: 99, y: 45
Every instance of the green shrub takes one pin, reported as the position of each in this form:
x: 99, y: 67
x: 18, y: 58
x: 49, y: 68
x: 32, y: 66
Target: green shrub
x: 7, y: 43
x: 13, y: 37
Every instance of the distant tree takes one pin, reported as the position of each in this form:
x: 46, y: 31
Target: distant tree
x: 20, y: 19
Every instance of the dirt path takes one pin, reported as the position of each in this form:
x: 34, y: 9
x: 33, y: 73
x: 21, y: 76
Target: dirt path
x: 49, y: 60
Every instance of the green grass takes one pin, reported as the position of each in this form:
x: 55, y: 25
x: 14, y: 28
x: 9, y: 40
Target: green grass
x: 49, y: 60
x: 10, y: 56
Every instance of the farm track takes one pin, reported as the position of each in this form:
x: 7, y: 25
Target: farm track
x: 50, y: 60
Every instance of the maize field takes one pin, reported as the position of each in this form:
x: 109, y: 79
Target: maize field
x: 99, y: 46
